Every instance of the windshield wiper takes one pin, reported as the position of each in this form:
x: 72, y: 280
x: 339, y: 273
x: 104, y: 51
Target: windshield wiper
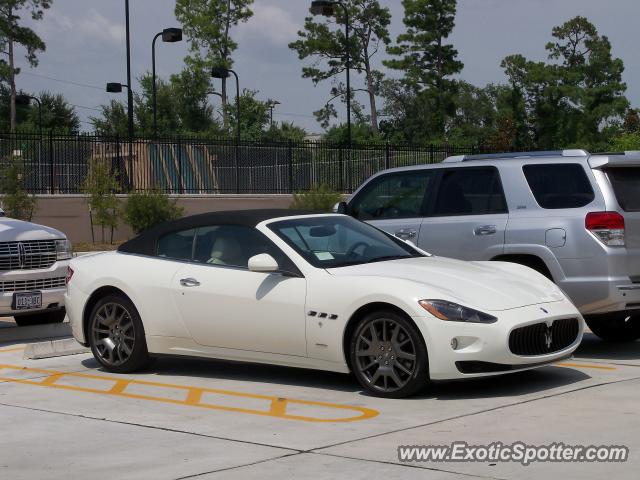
x: 388, y: 257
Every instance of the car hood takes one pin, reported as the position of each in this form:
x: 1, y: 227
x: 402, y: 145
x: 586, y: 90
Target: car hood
x: 12, y: 230
x: 482, y: 285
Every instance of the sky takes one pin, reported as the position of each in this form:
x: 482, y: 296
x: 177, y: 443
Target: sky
x: 86, y: 47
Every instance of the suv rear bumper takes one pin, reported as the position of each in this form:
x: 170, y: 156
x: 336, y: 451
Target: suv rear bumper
x: 596, y: 296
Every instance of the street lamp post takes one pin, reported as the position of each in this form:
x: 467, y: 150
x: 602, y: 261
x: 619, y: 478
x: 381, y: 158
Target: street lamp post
x: 169, y: 35
x: 116, y: 87
x: 222, y: 72
x: 327, y: 8
x: 24, y: 99
x: 272, y: 104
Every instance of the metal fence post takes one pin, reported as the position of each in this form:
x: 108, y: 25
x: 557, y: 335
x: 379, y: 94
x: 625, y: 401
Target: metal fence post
x: 180, y: 185
x: 51, y: 167
x: 290, y: 158
x: 237, y: 165
x: 342, y: 172
x: 387, y: 155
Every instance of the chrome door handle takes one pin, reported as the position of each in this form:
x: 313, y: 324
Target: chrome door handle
x: 406, y: 233
x: 189, y: 282
x: 485, y: 230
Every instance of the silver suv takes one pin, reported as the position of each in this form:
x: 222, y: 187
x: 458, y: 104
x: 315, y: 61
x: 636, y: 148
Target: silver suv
x: 33, y: 267
x: 570, y: 215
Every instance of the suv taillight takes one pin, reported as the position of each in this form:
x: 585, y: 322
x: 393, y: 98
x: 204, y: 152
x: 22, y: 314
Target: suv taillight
x: 67, y: 279
x: 608, y: 227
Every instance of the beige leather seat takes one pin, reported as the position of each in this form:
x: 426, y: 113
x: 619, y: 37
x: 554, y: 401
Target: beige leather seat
x: 227, y: 251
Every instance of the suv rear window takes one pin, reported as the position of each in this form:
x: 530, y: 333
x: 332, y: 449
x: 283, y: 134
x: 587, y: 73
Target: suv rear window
x: 626, y: 186
x: 559, y: 185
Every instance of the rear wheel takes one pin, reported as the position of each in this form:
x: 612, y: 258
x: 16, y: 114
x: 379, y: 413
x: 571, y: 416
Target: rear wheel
x: 40, y: 318
x: 615, y: 327
x: 388, y: 356
x: 116, y: 335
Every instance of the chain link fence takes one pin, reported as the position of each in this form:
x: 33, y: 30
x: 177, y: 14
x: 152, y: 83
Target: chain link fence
x: 60, y: 163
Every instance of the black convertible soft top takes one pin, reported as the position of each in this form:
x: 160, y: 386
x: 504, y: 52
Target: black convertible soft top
x: 146, y: 242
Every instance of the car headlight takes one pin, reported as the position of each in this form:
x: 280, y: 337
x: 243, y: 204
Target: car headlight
x: 63, y: 249
x: 455, y: 313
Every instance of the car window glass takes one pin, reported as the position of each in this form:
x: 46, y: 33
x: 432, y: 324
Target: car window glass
x: 470, y: 191
x: 626, y: 185
x: 233, y: 245
x: 336, y: 241
x: 177, y: 245
x: 559, y: 185
x: 396, y: 195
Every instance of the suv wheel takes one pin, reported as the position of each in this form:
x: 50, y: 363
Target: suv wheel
x: 40, y: 318
x: 615, y: 328
x: 388, y: 356
x: 116, y: 335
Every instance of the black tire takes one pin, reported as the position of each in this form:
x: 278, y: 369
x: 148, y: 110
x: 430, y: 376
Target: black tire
x: 390, y: 373
x: 615, y: 327
x: 125, y: 335
x: 40, y: 318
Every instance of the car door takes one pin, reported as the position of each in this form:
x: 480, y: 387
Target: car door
x: 467, y: 216
x: 394, y: 202
x: 223, y: 304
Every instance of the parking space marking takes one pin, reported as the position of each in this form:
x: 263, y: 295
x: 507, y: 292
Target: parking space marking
x: 581, y: 365
x: 277, y: 406
x: 5, y: 350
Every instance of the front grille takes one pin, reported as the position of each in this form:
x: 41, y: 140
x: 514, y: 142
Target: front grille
x: 28, y: 285
x: 28, y: 255
x: 539, y: 339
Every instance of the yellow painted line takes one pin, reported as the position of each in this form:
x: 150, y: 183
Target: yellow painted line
x: 581, y: 365
x: 116, y: 386
x: 16, y: 349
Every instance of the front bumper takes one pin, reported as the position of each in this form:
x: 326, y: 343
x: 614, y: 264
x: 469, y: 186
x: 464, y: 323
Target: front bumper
x: 51, y: 297
x: 487, y: 345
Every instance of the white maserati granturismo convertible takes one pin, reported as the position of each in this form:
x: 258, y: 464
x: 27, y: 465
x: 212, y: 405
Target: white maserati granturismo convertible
x: 314, y: 291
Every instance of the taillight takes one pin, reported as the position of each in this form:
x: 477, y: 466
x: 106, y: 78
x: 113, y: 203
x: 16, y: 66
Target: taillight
x: 67, y: 279
x: 608, y: 227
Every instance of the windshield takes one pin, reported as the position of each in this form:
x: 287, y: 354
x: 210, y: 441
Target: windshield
x: 338, y: 241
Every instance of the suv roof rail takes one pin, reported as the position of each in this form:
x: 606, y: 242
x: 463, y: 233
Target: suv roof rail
x: 513, y: 155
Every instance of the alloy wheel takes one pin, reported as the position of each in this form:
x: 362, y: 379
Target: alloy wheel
x: 385, y: 355
x: 113, y: 334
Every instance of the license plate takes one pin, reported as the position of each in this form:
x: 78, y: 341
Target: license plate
x: 27, y: 300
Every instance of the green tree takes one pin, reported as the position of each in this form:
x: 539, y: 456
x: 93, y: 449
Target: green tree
x: 254, y: 115
x: 57, y: 114
x: 101, y: 187
x: 112, y: 120
x: 283, y: 132
x: 326, y: 45
x: 631, y: 121
x: 208, y: 24
x: 426, y: 61
x: 16, y: 201
x: 13, y: 32
x: 577, y: 97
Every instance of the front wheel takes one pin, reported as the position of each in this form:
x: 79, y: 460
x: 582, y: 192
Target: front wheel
x: 615, y: 327
x: 56, y: 316
x: 116, y: 335
x: 388, y: 356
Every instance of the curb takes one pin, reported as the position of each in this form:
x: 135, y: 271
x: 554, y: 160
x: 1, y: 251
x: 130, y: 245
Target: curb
x: 54, y: 348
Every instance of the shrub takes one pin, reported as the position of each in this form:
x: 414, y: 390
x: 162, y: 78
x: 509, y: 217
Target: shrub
x: 101, y: 186
x: 145, y: 210
x: 320, y: 198
x: 16, y: 201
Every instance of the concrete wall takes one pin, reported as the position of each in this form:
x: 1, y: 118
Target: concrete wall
x: 70, y: 214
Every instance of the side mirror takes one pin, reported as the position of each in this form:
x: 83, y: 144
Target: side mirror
x: 341, y: 207
x: 263, y: 263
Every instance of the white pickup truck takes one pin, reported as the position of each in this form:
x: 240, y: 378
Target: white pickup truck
x: 33, y: 267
